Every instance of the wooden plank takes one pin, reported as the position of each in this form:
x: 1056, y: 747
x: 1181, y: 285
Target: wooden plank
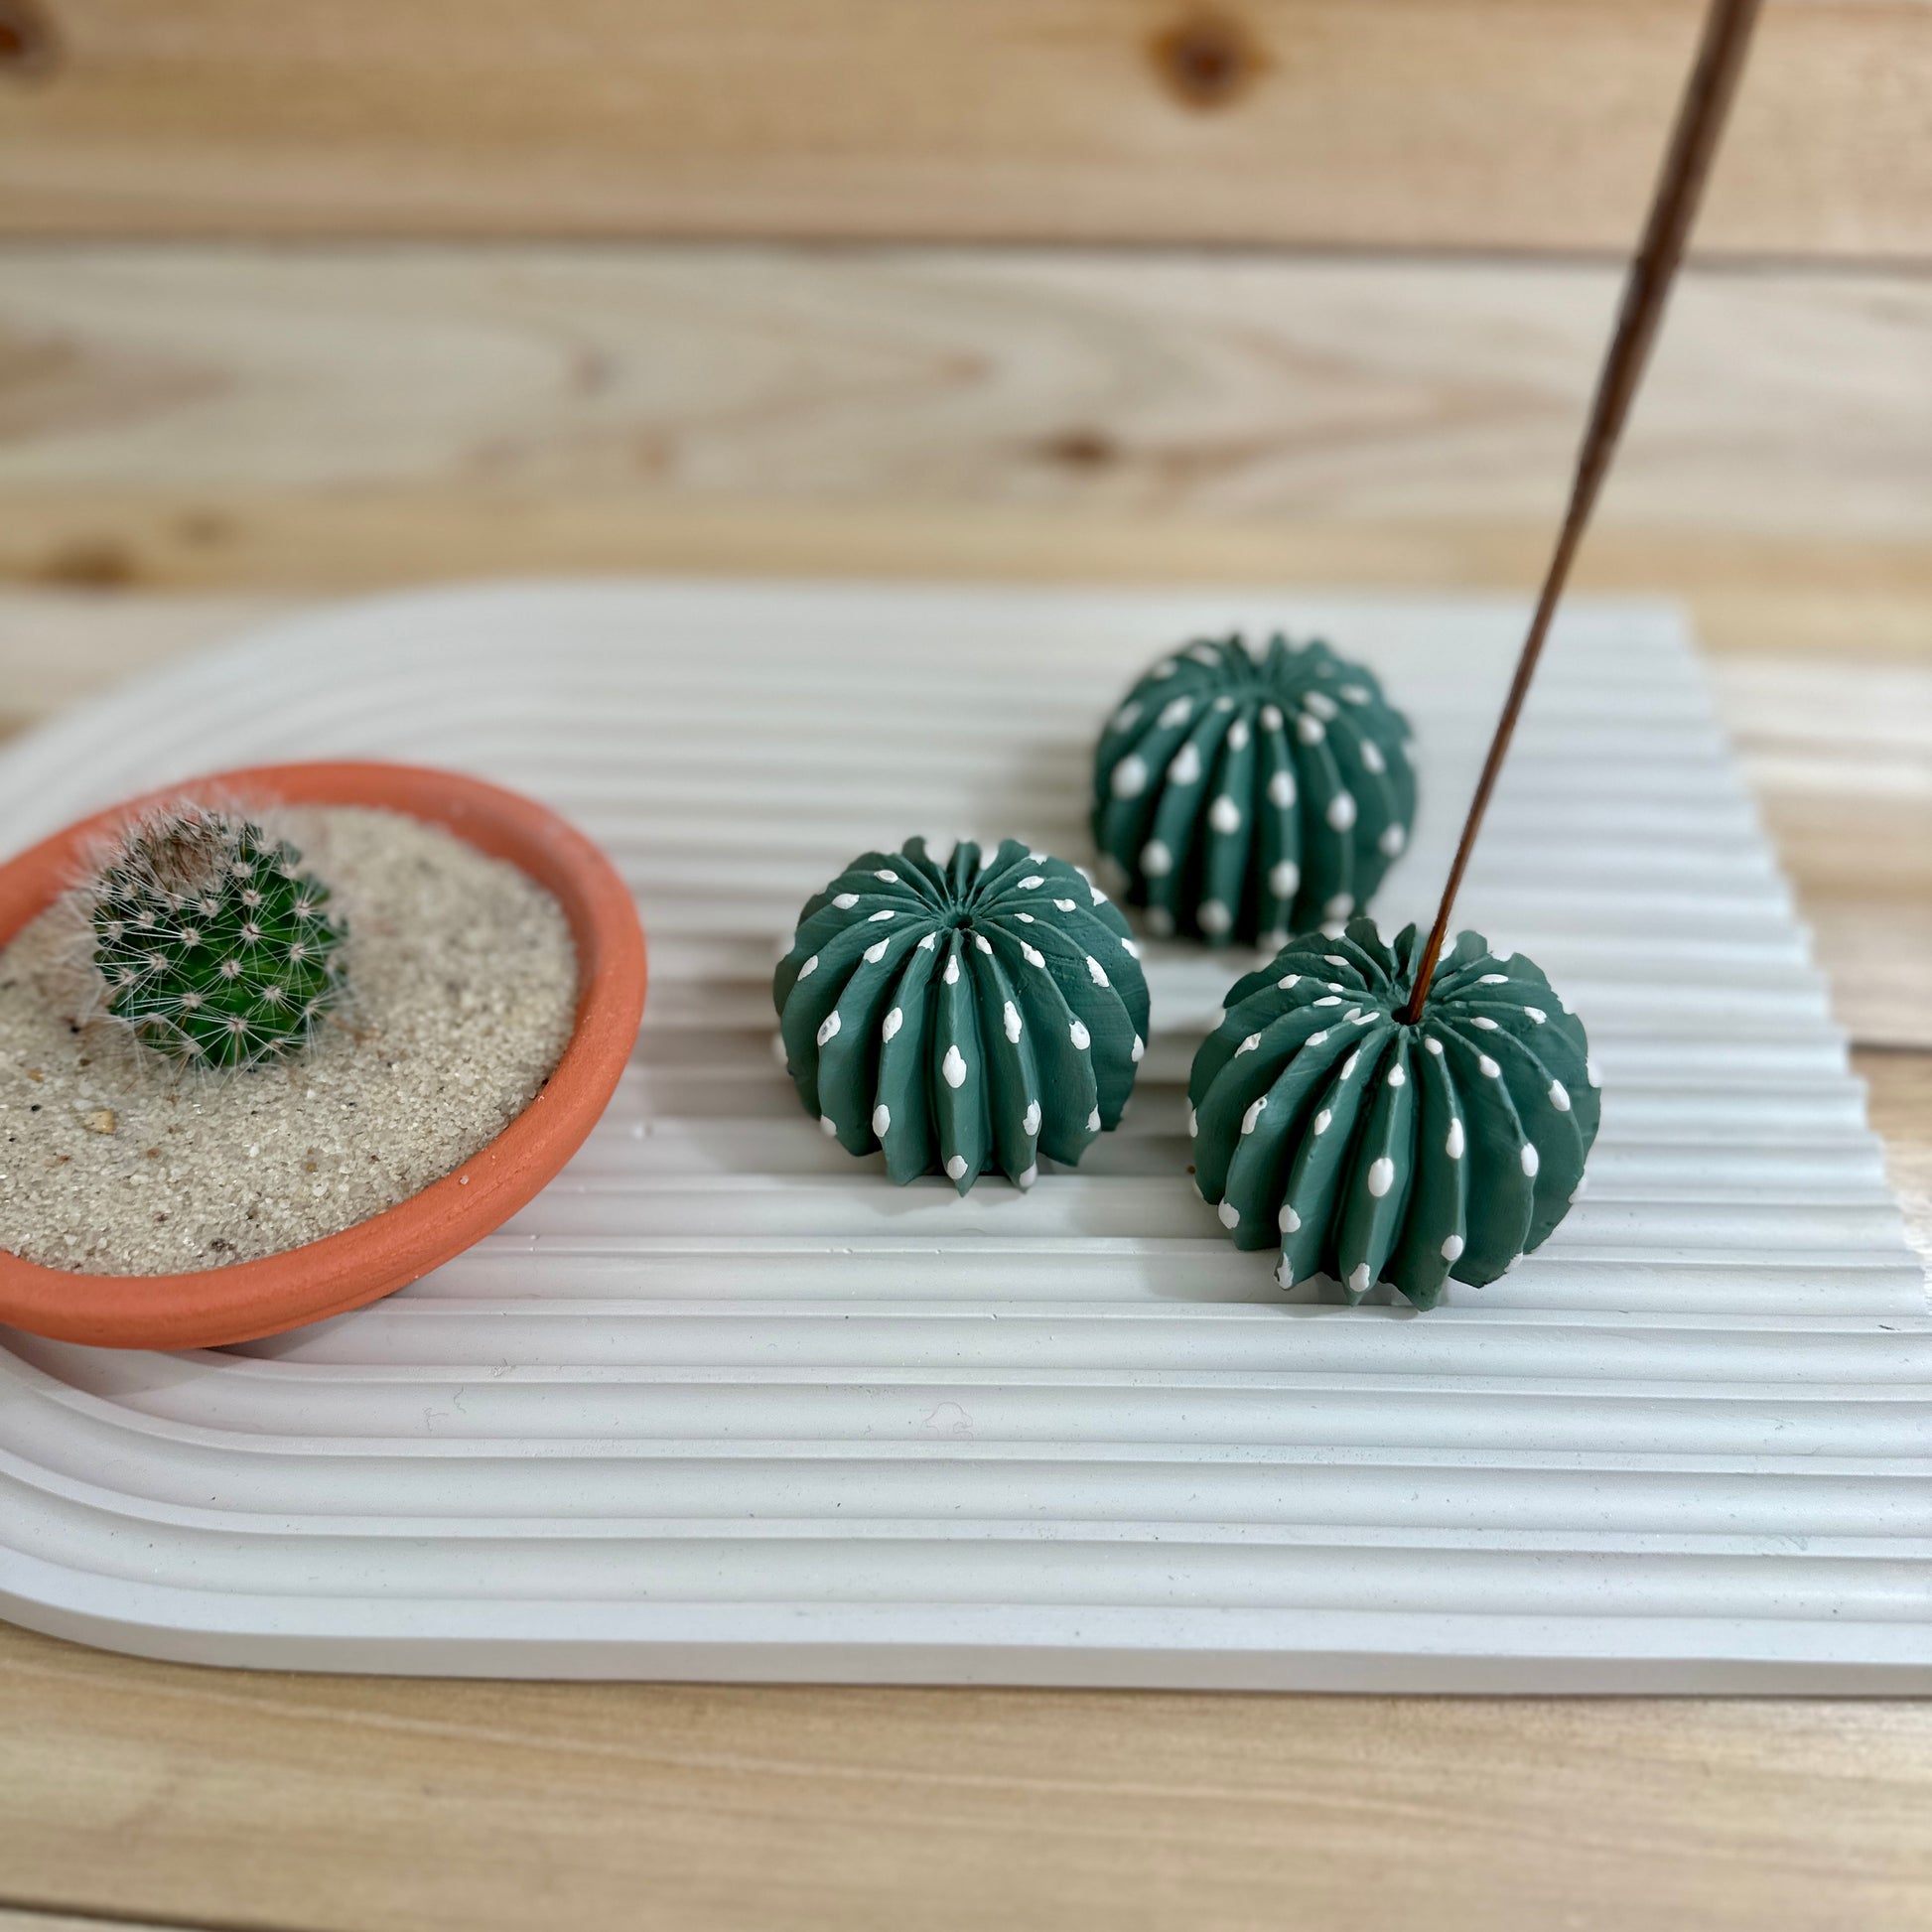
x: 1359, y: 391
x: 1405, y: 124
x: 27, y: 1919
x: 281, y: 1801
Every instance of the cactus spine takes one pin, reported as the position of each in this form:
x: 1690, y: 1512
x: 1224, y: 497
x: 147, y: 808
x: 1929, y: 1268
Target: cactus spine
x: 215, y: 948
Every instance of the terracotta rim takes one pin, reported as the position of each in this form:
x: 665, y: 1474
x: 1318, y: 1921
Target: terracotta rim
x: 215, y: 1305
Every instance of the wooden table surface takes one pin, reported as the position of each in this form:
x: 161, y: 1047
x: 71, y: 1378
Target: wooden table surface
x: 195, y: 437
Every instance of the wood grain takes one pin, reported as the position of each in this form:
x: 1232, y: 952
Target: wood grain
x: 1791, y: 404
x: 370, y: 1804
x: 1398, y: 123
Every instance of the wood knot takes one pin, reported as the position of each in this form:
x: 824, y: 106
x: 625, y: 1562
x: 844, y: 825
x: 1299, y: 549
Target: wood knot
x: 1207, y: 61
x: 29, y: 47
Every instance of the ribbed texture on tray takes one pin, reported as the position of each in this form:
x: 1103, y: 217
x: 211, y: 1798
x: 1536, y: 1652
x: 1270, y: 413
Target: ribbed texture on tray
x: 723, y: 1403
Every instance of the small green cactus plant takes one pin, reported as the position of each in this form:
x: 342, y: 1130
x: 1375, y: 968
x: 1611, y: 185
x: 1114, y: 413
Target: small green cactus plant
x: 217, y: 949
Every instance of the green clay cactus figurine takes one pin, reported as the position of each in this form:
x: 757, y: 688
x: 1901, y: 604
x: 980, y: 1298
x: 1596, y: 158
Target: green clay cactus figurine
x: 965, y: 1015
x: 1245, y: 794
x: 1373, y: 1151
x: 217, y: 950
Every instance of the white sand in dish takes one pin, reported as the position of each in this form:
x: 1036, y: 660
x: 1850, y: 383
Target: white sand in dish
x: 462, y: 984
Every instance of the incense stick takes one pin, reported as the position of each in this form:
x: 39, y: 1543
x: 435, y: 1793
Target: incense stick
x: 1680, y: 186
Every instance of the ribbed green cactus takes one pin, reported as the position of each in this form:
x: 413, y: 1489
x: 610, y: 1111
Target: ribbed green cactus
x: 217, y: 949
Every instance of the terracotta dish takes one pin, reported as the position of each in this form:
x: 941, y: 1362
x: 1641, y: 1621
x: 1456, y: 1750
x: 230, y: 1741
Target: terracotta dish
x: 215, y: 1305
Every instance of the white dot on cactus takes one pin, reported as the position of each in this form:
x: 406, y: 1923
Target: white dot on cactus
x: 1080, y: 1036
x: 809, y: 968
x: 1025, y: 1178
x: 1229, y: 1213
x: 1456, y: 1143
x: 1530, y: 1160
x: 1339, y: 906
x: 1330, y: 1000
x: 1193, y: 1124
x: 1359, y: 1279
x: 1537, y: 1013
x: 1064, y: 906
x: 1487, y: 1067
x: 1590, y: 1071
x: 878, y: 918
x: 1434, y: 1046
x: 1317, y: 1039
x: 1392, y: 841
x: 1487, y: 1024
x: 926, y: 944
x: 1095, y: 971
x: 1381, y: 1176
x: 1155, y: 860
x: 1452, y: 1247
x: 1223, y: 704
x: 1038, y: 857
x: 189, y: 1001
x: 1099, y: 898
x: 1310, y: 731
x: 890, y: 878
x: 955, y: 1166
x: 1138, y: 1051
x: 1026, y: 919
x: 1213, y: 916
x: 1283, y: 877
x: 1224, y: 815
x: 1248, y: 1046
x: 953, y: 1069
x: 1160, y: 921
x: 892, y: 1022
x: 1350, y: 1064
x: 1032, y: 881
x: 1558, y: 1096
x: 1032, y: 954
x: 1398, y: 1076
x: 1127, y: 717
x: 1204, y: 655
x: 238, y: 1025
x: 981, y: 942
x: 874, y: 955
x: 191, y: 936
x: 230, y: 968
x: 1321, y: 1121
x: 1342, y: 810
x: 1289, y: 1221
x: 1372, y: 758
x: 1176, y: 711
x: 1319, y: 703
x: 845, y: 902
x: 952, y: 969
x: 1289, y: 980
x: 1030, y: 1120
x: 828, y: 1126
x: 1093, y: 1122
x: 1494, y: 979
x: 1129, y: 778
x: 829, y: 1030
x: 1184, y: 768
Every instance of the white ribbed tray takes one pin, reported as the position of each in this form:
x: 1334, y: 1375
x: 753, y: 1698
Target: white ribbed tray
x: 723, y: 1403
